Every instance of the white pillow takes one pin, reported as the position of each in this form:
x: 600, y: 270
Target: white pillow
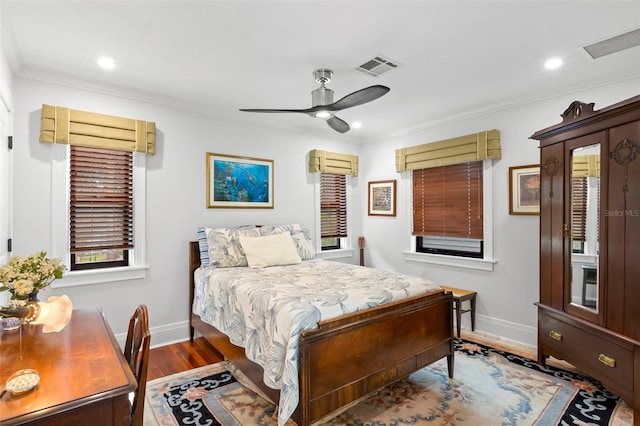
x: 270, y: 250
x: 305, y: 248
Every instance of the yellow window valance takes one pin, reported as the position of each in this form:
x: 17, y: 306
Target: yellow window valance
x: 68, y: 126
x: 463, y: 149
x: 331, y: 162
x: 586, y: 166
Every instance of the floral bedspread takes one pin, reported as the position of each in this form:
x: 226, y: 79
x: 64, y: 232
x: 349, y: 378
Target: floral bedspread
x: 264, y: 310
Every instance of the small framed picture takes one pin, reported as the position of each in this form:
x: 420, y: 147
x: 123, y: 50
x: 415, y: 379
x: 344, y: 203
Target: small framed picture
x: 382, y: 198
x: 239, y: 182
x: 524, y: 190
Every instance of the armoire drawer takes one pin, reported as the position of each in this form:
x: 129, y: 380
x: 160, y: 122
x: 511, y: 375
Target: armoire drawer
x: 601, y: 358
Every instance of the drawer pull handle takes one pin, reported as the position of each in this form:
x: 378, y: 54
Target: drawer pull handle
x: 555, y: 335
x: 608, y: 361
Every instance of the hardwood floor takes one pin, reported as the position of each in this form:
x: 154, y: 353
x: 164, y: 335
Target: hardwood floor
x: 510, y: 346
x: 182, y: 356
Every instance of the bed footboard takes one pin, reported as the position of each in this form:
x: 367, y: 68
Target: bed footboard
x: 351, y: 356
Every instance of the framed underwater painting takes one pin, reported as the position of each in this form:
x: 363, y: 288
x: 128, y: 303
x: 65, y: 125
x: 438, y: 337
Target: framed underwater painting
x: 239, y: 182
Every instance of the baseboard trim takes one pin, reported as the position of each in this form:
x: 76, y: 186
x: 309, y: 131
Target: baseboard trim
x: 499, y: 329
x: 163, y: 335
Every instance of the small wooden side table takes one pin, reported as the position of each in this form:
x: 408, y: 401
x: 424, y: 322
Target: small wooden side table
x: 460, y: 296
x: 590, y: 276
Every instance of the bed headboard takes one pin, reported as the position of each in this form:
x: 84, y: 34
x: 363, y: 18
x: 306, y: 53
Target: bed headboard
x: 194, y: 263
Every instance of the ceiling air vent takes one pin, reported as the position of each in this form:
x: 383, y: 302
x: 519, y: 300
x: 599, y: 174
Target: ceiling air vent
x: 612, y: 45
x: 377, y: 66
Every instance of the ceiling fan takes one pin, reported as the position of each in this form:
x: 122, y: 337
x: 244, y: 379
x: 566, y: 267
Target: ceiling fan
x: 323, y: 105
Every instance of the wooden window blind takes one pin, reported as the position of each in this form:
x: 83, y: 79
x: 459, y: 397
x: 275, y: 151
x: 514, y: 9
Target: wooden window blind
x: 598, y: 215
x: 447, y: 201
x: 333, y: 205
x: 101, y: 199
x: 579, y: 208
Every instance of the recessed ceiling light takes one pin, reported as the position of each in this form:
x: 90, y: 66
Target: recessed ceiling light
x: 553, y: 63
x: 106, y: 63
x: 356, y: 124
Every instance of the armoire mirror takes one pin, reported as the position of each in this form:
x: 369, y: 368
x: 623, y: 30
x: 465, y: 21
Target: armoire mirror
x: 584, y: 226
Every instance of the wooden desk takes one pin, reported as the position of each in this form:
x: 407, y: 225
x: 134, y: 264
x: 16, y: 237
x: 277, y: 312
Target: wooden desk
x: 84, y: 378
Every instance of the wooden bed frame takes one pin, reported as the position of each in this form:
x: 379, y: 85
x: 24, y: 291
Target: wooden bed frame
x: 351, y: 356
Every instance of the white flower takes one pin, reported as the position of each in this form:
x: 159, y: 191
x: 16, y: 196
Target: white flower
x: 23, y: 276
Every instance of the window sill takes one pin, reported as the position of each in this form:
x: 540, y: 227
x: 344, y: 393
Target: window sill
x: 460, y: 262
x: 335, y: 254
x: 99, y: 276
x: 584, y: 258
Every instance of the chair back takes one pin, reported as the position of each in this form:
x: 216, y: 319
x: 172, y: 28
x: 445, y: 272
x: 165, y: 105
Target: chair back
x: 136, y: 352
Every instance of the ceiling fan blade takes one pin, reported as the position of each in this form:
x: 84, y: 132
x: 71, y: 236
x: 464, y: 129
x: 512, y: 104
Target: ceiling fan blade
x: 304, y: 111
x: 359, y: 97
x: 324, y: 107
x: 356, y: 98
x: 338, y: 124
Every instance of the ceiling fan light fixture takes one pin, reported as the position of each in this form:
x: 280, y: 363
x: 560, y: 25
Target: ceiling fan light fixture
x: 323, y: 105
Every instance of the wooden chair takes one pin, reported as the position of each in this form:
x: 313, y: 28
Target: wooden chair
x: 136, y: 352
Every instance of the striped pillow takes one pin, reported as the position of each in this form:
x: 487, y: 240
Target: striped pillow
x: 203, y: 244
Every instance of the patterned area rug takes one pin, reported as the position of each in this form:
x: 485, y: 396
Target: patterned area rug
x: 490, y: 387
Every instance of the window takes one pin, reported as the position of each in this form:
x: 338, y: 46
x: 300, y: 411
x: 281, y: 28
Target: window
x: 585, y: 226
x: 100, y: 207
x: 448, y: 210
x: 61, y: 232
x: 457, y: 201
x: 333, y: 210
x: 578, y: 212
x: 67, y: 129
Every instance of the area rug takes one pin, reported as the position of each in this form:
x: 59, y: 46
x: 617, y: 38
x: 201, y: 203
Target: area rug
x: 490, y: 387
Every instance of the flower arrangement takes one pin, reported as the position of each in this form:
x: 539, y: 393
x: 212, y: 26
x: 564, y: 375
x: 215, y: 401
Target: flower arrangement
x: 24, y: 276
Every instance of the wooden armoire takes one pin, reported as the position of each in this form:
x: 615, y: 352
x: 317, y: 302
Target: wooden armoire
x: 589, y: 308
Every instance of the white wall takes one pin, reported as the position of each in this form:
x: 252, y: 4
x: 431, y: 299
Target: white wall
x: 176, y: 203
x: 505, y: 295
